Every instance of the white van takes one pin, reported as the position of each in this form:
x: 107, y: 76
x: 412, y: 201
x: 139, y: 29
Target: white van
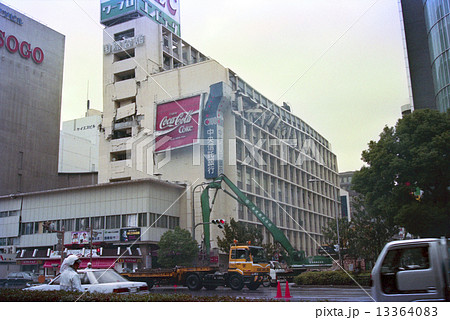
x: 412, y: 270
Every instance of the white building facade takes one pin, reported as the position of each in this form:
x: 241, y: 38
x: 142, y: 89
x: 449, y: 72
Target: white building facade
x: 79, y: 144
x: 171, y: 111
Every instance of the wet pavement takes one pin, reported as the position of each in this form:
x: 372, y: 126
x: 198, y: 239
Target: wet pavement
x: 298, y: 293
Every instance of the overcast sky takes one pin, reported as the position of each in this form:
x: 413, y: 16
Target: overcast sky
x: 338, y: 63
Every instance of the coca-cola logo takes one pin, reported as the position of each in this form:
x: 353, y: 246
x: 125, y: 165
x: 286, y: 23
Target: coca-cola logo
x: 175, y: 120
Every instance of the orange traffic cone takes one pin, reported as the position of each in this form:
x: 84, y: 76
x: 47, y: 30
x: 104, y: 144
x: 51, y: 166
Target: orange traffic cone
x: 279, y: 291
x: 287, y: 293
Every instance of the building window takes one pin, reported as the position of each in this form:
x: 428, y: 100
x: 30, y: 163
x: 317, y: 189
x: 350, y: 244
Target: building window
x: 113, y: 222
x: 174, y: 222
x: 81, y: 224
x: 124, y: 35
x: 68, y: 224
x: 142, y: 219
x: 120, y: 156
x: 125, y: 75
x: 98, y: 222
x: 152, y: 219
x: 161, y: 221
x: 129, y: 220
x: 123, y: 55
x: 27, y: 228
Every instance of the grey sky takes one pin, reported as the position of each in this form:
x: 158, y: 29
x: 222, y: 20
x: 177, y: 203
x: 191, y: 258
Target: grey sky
x: 344, y: 56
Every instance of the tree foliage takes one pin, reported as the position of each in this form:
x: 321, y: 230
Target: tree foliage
x: 363, y: 237
x: 241, y: 232
x: 177, y: 248
x: 412, y: 157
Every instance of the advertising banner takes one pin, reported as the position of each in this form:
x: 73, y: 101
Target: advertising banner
x: 82, y: 237
x: 212, y: 123
x: 112, y: 235
x: 113, y: 9
x: 130, y: 235
x: 165, y: 12
x: 177, y: 123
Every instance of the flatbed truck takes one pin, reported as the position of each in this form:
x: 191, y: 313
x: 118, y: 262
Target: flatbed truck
x: 247, y: 266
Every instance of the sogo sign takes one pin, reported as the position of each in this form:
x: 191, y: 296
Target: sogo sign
x: 24, y: 48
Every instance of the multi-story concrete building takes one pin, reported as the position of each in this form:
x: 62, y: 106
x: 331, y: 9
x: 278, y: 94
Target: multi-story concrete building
x: 31, y: 67
x: 120, y: 215
x: 159, y: 93
x: 426, y: 28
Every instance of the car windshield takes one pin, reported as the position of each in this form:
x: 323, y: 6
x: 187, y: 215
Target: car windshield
x: 108, y: 276
x: 258, y: 254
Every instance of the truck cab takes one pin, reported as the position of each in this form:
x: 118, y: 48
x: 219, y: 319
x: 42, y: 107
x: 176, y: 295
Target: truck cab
x: 412, y: 270
x: 248, y: 263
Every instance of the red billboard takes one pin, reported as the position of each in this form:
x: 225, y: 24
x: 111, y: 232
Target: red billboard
x: 177, y: 123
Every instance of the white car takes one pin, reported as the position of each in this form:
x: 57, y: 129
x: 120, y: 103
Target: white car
x: 99, y: 280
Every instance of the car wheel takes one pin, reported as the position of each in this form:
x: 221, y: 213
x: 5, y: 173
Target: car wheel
x: 236, y: 282
x: 193, y: 282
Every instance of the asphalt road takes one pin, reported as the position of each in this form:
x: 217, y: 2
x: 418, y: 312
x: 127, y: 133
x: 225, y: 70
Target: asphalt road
x: 298, y: 293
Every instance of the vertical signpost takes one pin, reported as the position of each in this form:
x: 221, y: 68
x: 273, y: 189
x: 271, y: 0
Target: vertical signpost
x: 213, y: 131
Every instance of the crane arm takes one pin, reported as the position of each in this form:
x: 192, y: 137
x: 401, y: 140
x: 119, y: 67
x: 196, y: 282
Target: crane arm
x: 277, y: 234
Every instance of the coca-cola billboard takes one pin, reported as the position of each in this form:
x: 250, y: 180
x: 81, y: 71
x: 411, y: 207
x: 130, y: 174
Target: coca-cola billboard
x: 177, y: 123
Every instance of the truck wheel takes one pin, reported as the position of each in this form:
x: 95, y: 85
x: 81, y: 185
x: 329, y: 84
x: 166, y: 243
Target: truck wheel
x: 253, y: 285
x: 193, y: 282
x: 236, y: 282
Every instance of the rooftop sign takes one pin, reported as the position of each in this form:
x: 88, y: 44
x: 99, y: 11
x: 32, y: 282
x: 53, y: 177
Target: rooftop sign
x: 165, y: 12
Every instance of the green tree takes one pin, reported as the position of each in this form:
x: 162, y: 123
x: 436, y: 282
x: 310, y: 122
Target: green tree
x: 412, y: 157
x: 363, y: 237
x: 368, y: 233
x: 330, y: 233
x: 176, y: 248
x: 240, y: 231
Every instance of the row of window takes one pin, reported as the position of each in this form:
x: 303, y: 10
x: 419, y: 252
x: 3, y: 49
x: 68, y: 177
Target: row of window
x: 281, y: 112
x: 106, y: 222
x: 285, y: 216
x: 295, y: 147
x: 11, y: 213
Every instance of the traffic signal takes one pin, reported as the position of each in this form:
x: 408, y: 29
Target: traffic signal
x: 219, y: 222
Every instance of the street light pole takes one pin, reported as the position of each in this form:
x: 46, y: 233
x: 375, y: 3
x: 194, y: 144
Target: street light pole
x: 337, y: 226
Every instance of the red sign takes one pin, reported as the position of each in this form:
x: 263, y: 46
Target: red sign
x: 24, y: 48
x: 177, y: 123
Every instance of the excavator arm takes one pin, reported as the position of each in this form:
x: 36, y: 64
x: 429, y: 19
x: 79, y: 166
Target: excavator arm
x: 293, y: 255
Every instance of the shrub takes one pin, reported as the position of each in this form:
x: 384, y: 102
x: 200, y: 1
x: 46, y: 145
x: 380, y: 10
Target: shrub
x: 332, y: 278
x: 17, y: 295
